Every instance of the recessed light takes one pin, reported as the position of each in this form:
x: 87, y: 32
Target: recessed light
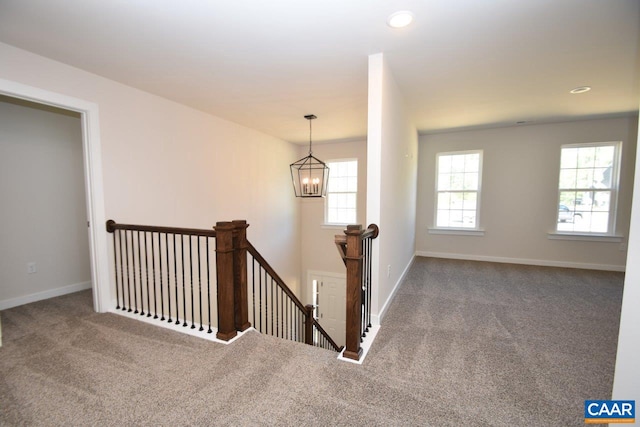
x: 400, y: 19
x: 581, y: 89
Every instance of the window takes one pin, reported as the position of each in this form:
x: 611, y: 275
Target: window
x: 458, y: 189
x: 587, y: 188
x: 342, y: 191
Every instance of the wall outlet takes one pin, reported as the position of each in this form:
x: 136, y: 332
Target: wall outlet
x: 389, y: 270
x: 31, y: 268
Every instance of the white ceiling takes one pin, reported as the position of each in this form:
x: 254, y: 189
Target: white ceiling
x: 265, y: 64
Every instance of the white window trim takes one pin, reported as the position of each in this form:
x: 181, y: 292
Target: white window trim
x: 475, y: 231
x: 613, y: 200
x: 585, y: 237
x: 339, y: 225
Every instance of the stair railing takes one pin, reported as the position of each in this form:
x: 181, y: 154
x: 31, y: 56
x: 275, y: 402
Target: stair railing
x: 170, y: 274
x: 355, y: 248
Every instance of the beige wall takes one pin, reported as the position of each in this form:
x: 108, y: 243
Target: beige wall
x: 43, y: 217
x: 519, y: 193
x: 167, y: 164
x: 319, y: 252
x: 392, y: 147
x: 626, y: 383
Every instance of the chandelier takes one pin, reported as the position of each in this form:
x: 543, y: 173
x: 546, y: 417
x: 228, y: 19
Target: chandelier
x: 309, y: 174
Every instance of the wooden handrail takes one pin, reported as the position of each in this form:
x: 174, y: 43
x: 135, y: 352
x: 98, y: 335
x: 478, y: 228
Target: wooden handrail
x: 112, y: 226
x: 263, y: 262
x: 335, y: 346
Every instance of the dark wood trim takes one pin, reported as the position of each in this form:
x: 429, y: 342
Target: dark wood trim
x: 241, y: 305
x: 308, y: 324
x: 335, y: 346
x: 353, y: 261
x: 225, y: 282
x: 112, y: 226
x: 254, y: 252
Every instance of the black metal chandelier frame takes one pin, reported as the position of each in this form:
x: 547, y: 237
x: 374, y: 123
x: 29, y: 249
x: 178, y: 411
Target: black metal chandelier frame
x: 310, y: 175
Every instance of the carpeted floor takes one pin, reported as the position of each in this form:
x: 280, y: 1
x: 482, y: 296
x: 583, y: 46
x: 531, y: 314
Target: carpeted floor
x: 463, y: 343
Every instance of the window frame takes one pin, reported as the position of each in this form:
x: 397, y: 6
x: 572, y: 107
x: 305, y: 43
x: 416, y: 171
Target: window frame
x: 614, y: 189
x: 327, y: 223
x: 477, y: 230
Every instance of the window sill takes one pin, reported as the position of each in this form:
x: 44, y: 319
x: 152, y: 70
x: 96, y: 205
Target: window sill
x: 458, y: 231
x: 330, y: 226
x: 585, y: 237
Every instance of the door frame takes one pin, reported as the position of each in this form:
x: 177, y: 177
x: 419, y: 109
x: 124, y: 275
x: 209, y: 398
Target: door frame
x: 93, y: 177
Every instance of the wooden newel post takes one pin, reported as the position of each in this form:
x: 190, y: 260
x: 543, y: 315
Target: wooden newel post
x: 353, y: 260
x: 308, y: 324
x: 224, y: 275
x: 241, y: 306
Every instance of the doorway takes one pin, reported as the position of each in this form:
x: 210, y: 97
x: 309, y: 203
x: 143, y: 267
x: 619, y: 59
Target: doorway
x: 329, y: 301
x: 92, y: 165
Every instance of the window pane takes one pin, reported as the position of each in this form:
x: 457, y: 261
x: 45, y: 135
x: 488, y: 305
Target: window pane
x: 444, y: 182
x: 586, y: 157
x: 458, y: 183
x: 584, y: 178
x: 568, y: 178
x: 442, y: 219
x: 444, y: 164
x: 469, y: 202
x: 342, y: 192
x: 470, y: 181
x: 583, y: 168
x: 569, y: 158
x: 472, y: 162
x: 604, y: 156
x: 457, y: 163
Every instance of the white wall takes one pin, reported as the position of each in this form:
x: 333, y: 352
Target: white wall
x: 319, y: 252
x: 519, y: 193
x: 626, y: 383
x: 392, y: 147
x: 43, y: 217
x: 167, y: 164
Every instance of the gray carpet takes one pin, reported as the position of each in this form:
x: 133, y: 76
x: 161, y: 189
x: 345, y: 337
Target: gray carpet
x: 463, y: 343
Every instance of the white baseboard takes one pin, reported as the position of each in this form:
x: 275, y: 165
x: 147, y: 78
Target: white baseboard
x: 179, y: 328
x: 376, y: 319
x: 525, y: 261
x: 38, y: 296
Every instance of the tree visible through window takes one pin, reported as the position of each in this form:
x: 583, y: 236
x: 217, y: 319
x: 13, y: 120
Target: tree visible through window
x: 342, y: 191
x: 458, y: 189
x: 587, y: 187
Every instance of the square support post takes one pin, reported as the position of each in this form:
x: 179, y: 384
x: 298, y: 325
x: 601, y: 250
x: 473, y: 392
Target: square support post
x: 241, y: 306
x: 353, y: 260
x: 308, y: 324
x: 225, y: 285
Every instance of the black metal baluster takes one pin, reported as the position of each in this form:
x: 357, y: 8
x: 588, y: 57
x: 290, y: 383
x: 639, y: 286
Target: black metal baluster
x: 276, y: 307
x: 139, y: 270
x: 115, y: 265
x: 146, y: 274
x: 260, y: 299
x: 200, y: 284
x: 253, y: 288
x: 126, y: 256
x: 271, y: 304
x: 166, y: 250
x: 153, y: 268
x: 140, y: 276
x: 193, y: 325
x: 184, y: 295
x: 175, y: 277
x: 369, y: 280
x: 161, y: 275
x: 208, y: 291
